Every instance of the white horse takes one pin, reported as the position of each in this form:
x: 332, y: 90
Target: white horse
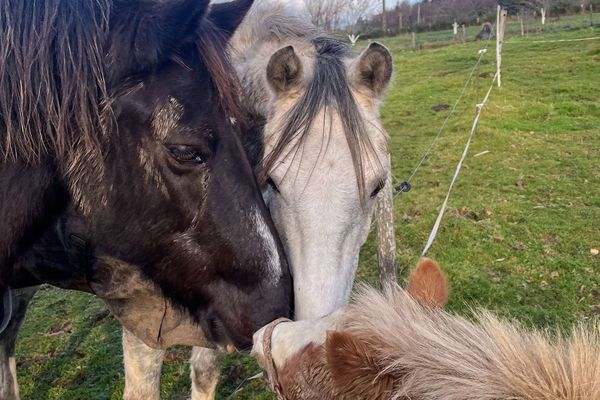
x: 321, y: 155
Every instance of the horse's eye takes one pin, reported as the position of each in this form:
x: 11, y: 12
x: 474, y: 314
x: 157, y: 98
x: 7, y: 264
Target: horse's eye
x: 272, y: 184
x: 380, y: 186
x: 186, y: 154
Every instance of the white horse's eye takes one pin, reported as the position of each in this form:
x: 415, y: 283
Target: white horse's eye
x: 376, y: 191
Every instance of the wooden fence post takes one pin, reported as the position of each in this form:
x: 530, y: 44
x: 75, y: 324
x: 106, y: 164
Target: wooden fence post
x: 414, y: 41
x: 521, y: 22
x: 384, y: 19
x: 386, y: 234
x: 500, y: 24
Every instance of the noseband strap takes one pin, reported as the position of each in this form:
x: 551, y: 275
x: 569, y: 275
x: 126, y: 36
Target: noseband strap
x: 270, y: 362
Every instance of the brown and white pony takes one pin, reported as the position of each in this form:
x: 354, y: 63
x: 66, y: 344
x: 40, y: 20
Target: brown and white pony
x: 400, y: 344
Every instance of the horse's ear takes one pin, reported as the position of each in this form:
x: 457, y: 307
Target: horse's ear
x: 373, y: 69
x: 284, y: 71
x: 353, y: 367
x: 144, y: 33
x: 228, y: 16
x: 427, y: 284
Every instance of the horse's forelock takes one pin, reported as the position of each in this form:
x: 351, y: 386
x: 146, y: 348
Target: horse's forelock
x: 329, y: 89
x: 212, y: 46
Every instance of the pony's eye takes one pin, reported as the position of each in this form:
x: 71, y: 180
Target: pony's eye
x: 380, y: 186
x: 272, y: 185
x: 186, y: 154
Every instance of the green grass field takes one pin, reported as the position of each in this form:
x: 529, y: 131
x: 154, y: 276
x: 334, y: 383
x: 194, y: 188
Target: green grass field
x: 531, y: 28
x: 516, y: 239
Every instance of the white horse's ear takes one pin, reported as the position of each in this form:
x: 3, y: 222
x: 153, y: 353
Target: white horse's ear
x: 373, y: 69
x: 284, y: 71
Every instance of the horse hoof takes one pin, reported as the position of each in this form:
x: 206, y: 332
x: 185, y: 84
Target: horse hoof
x: 6, y: 309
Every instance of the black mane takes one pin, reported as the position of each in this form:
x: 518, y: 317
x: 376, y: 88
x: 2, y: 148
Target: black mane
x: 51, y: 77
x: 60, y: 61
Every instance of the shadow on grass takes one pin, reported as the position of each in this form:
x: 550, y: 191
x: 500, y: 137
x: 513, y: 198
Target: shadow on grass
x: 72, y: 350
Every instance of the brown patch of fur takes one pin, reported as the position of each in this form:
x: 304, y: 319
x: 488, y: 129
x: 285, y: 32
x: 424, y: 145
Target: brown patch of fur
x: 427, y: 284
x: 355, y: 369
x: 305, y: 375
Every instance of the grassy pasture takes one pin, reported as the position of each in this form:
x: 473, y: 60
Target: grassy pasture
x: 532, y: 28
x: 516, y: 238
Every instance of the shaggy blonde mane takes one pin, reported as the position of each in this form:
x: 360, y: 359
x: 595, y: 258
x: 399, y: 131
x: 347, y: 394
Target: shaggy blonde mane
x: 436, y: 355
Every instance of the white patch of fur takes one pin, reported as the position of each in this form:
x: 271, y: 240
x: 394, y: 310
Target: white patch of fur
x: 290, y: 337
x: 12, y: 365
x: 165, y: 119
x: 151, y: 174
x: 204, y: 372
x: 143, y: 365
x: 269, y: 245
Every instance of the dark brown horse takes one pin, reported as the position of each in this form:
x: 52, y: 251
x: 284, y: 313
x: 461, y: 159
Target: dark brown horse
x: 119, y: 155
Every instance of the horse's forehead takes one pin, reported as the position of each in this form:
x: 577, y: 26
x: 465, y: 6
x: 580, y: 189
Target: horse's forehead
x: 326, y: 140
x: 166, y: 117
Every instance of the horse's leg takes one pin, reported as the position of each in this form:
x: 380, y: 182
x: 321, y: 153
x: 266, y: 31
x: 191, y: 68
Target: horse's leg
x: 142, y: 369
x: 9, y: 389
x: 205, y: 372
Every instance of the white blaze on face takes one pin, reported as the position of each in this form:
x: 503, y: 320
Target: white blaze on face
x: 269, y: 245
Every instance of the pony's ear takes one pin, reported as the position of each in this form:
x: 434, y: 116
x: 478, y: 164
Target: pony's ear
x: 354, y: 368
x: 145, y: 33
x: 373, y: 69
x: 228, y: 16
x: 427, y: 284
x: 284, y: 71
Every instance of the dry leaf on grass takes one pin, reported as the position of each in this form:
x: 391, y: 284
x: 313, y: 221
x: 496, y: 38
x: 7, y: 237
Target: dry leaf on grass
x: 520, y: 184
x: 520, y: 246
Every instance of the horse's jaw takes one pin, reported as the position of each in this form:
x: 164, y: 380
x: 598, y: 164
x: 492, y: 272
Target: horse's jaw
x: 141, y: 307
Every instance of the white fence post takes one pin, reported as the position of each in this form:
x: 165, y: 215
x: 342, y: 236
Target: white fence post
x: 386, y: 234
x: 500, y: 24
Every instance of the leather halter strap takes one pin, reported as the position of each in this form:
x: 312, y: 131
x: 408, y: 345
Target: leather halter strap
x: 270, y: 362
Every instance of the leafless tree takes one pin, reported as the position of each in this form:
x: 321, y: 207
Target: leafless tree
x: 331, y: 14
x: 316, y: 9
x: 358, y: 9
x: 326, y: 13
